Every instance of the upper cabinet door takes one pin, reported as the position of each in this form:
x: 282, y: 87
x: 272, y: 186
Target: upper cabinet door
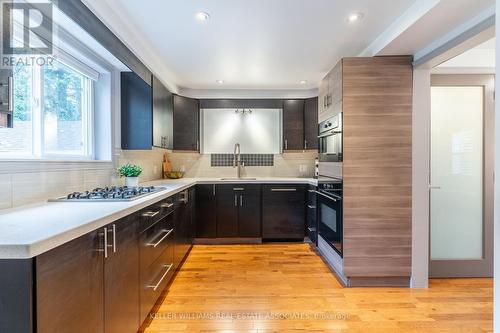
x: 336, y: 83
x: 311, y: 123
x: 136, y: 115
x: 186, y: 123
x: 6, y: 98
x: 163, y: 116
x: 293, y: 124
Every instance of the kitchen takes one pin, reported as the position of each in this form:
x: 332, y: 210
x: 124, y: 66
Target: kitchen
x: 143, y: 197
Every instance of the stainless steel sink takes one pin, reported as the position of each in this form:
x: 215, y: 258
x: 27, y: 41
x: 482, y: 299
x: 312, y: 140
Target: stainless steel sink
x: 241, y: 178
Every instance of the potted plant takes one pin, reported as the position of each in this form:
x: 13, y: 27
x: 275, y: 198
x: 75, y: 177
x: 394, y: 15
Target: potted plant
x: 131, y: 174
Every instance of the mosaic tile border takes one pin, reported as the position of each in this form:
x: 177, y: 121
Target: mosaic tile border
x: 221, y: 160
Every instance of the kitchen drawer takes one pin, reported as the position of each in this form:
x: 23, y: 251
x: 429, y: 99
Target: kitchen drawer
x: 156, y: 212
x: 154, y: 279
x: 154, y: 240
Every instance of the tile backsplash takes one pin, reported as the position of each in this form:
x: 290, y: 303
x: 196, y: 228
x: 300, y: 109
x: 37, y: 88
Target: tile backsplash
x: 36, y: 186
x: 218, y: 160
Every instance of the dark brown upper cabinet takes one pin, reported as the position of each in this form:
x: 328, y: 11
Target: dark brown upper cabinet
x: 163, y: 116
x: 136, y: 112
x: 186, y: 123
x: 293, y: 124
x: 6, y: 98
x: 311, y: 123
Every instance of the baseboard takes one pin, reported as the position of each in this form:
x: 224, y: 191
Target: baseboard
x: 385, y: 281
x: 223, y: 241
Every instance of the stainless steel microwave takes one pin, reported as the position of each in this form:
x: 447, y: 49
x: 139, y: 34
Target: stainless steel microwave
x: 330, y: 139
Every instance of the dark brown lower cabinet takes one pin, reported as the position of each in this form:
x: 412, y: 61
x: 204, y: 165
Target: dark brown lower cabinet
x: 283, y: 215
x: 227, y: 210
x: 249, y: 211
x: 70, y: 286
x: 238, y: 211
x: 183, y: 226
x: 121, y: 277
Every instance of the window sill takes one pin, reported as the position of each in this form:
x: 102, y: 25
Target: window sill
x: 20, y: 165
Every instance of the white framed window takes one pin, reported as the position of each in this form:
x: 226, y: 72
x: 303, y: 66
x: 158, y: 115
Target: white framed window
x: 53, y: 112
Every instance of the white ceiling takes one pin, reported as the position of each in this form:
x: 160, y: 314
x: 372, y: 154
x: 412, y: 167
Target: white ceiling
x: 444, y: 16
x: 252, y: 44
x: 480, y: 59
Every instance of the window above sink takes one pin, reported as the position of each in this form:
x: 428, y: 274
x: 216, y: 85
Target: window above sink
x: 258, y: 131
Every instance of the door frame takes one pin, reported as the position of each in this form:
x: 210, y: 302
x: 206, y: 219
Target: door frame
x: 482, y: 267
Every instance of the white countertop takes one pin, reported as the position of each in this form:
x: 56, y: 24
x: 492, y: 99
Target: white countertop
x: 28, y: 231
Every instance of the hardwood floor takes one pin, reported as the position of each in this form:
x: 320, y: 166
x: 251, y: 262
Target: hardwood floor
x: 288, y: 288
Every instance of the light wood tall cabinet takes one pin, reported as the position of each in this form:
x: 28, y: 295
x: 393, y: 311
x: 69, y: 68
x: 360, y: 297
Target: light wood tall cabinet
x: 375, y: 96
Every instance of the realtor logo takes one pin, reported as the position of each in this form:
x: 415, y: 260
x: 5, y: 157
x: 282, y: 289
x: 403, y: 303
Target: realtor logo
x: 26, y: 28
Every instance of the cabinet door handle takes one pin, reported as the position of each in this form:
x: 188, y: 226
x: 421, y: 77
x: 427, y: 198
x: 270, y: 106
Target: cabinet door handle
x: 214, y: 190
x: 114, y: 238
x: 241, y: 200
x: 11, y: 93
x: 168, y: 267
x: 311, y: 229
x: 238, y: 189
x: 166, y: 205
x: 286, y: 144
x: 311, y: 207
x: 283, y: 190
x: 197, y: 145
x: 150, y: 214
x: 167, y: 232
x: 105, y: 242
x: 311, y: 191
x: 305, y: 144
x: 235, y: 200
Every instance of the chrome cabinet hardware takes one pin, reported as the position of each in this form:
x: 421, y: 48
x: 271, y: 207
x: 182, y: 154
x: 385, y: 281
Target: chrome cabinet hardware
x: 167, y: 205
x: 311, y: 229
x: 198, y: 145
x: 331, y: 197
x: 235, y: 200
x: 214, y: 189
x: 11, y: 93
x: 305, y: 144
x: 184, y: 196
x: 155, y: 286
x: 150, y: 214
x: 283, y: 190
x: 105, y: 242
x: 166, y: 233
x: 286, y: 144
x: 241, y: 200
x: 238, y: 189
x: 434, y: 187
x: 311, y: 191
x: 311, y: 207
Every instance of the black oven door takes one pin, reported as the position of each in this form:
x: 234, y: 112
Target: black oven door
x: 330, y: 220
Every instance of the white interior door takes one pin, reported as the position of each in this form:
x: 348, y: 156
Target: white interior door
x: 461, y: 237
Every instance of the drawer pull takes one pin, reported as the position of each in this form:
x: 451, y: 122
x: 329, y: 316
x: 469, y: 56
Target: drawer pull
x: 168, y: 267
x: 238, y: 189
x: 311, y: 207
x: 311, y: 229
x: 150, y: 214
x: 311, y: 191
x: 167, y: 232
x: 167, y: 205
x: 283, y: 190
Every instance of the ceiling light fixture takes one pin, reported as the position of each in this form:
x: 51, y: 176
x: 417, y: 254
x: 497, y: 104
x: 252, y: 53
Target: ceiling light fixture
x: 220, y: 81
x: 202, y: 16
x: 303, y: 81
x: 355, y: 17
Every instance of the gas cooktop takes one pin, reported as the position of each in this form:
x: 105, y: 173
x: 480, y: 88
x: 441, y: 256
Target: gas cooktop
x: 110, y: 193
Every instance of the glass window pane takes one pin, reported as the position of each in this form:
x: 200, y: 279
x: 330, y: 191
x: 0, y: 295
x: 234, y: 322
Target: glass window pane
x: 257, y: 132
x: 63, y: 118
x: 19, y: 140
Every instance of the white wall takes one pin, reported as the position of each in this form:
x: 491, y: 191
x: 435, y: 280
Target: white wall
x: 496, y: 227
x: 420, y: 177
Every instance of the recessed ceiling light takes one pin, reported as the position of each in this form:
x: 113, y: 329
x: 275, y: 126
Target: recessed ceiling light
x: 355, y: 17
x: 303, y: 81
x: 220, y: 81
x: 202, y: 16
